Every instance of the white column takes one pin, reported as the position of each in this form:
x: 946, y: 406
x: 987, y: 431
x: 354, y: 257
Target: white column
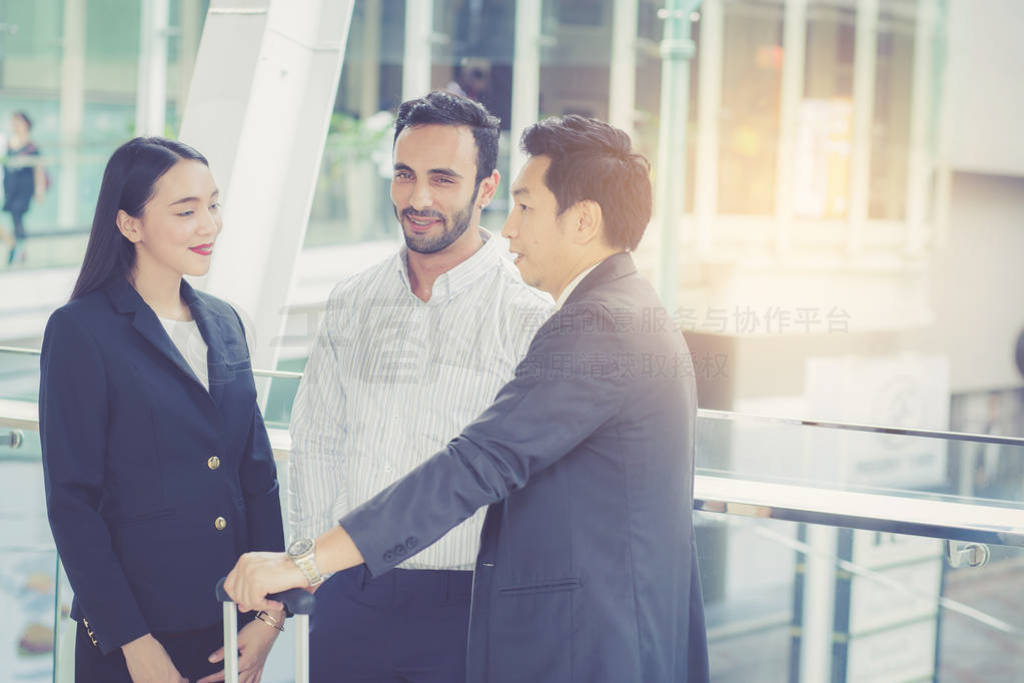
x: 864, y: 70
x: 709, y: 104
x: 369, y: 94
x: 190, y: 21
x: 151, y: 94
x: 72, y: 107
x: 622, y: 71
x: 259, y: 108
x: 819, y: 605
x: 921, y: 104
x: 525, y: 78
x: 794, y: 42
x: 419, y: 28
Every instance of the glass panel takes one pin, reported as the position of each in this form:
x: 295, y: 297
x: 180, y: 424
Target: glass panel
x: 890, y: 132
x: 749, y: 115
x: 776, y: 451
x: 574, y: 68
x: 472, y: 55
x: 281, y: 394
x: 27, y: 553
x: 824, y: 125
x: 77, y: 80
x: 648, y: 87
x: 783, y: 599
x: 646, y: 120
x: 27, y: 561
x: 351, y: 203
x: 473, y: 50
x: 19, y: 375
x: 789, y: 602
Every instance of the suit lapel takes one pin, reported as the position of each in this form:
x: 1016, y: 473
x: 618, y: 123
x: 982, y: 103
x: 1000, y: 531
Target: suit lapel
x: 126, y: 300
x: 212, y: 328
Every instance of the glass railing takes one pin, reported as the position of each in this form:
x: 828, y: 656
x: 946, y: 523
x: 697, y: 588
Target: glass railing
x: 829, y: 552
x: 860, y: 457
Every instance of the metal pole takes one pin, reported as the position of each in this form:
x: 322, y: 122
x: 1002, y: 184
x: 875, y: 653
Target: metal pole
x: 676, y: 50
x: 230, y: 641
x: 151, y: 97
x: 622, y: 80
x: 418, y: 51
x: 72, y: 109
x: 525, y: 78
x: 301, y: 627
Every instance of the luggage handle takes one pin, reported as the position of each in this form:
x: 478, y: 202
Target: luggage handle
x: 297, y: 602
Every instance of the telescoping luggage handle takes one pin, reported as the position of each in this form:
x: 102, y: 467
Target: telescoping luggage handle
x: 297, y: 602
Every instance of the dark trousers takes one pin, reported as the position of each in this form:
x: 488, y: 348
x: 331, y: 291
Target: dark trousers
x: 18, y: 219
x: 407, y: 626
x: 188, y: 651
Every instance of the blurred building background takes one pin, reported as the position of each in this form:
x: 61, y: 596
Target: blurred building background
x: 848, y: 245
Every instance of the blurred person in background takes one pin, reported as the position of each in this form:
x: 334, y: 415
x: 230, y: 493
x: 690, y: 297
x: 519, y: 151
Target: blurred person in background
x: 24, y: 179
x: 471, y: 78
x: 157, y: 466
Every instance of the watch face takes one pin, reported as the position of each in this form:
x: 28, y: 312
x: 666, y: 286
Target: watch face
x: 300, y: 547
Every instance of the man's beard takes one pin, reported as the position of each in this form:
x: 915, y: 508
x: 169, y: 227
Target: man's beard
x: 422, y: 244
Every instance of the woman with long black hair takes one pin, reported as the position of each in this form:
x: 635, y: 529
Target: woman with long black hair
x: 158, y: 470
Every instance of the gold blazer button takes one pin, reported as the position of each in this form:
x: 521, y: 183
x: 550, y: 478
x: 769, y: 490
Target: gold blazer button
x: 220, y: 523
x: 213, y: 463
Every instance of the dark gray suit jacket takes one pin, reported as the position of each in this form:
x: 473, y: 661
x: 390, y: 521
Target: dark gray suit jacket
x: 587, y: 569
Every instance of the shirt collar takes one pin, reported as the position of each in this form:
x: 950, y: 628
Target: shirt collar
x: 462, y: 276
x: 572, y: 285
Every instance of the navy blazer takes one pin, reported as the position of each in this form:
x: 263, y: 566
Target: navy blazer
x: 587, y: 569
x: 140, y: 461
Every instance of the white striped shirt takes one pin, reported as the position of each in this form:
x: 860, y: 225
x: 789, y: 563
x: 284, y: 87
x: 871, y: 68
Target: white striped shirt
x: 391, y: 379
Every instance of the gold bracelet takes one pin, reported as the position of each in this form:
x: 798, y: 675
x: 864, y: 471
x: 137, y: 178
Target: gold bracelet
x: 269, y: 620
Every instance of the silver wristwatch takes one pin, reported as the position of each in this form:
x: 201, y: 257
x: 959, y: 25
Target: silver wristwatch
x: 302, y: 552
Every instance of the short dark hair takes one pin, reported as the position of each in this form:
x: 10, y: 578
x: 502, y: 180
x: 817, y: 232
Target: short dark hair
x: 449, y: 109
x: 128, y: 183
x: 592, y: 160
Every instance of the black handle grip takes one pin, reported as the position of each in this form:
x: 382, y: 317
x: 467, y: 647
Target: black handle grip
x: 295, y: 600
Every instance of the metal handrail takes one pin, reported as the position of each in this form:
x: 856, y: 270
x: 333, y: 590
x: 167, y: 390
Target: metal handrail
x: 275, y: 374
x: 899, y: 513
x: 733, y: 416
x: 860, y: 427
x: 18, y: 350
x: 937, y: 517
x: 943, y: 517
x: 907, y: 513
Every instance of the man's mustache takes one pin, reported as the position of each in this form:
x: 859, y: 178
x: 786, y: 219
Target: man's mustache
x: 410, y: 213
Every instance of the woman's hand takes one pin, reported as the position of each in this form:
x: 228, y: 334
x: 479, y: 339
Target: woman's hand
x: 148, y: 662
x: 254, y: 643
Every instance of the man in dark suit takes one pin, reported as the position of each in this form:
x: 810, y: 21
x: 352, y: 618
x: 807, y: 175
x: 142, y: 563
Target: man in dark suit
x: 587, y: 569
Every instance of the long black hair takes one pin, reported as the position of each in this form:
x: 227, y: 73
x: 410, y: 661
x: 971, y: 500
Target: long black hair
x: 128, y: 183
